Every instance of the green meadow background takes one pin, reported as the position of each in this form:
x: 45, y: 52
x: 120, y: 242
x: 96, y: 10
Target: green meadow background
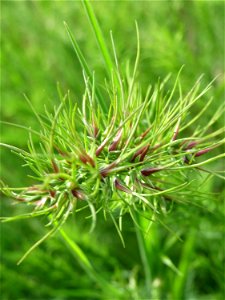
x: 36, y: 53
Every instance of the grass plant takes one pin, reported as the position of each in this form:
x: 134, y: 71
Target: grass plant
x: 123, y: 151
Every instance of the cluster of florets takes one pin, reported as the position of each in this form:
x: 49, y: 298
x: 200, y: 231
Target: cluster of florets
x: 143, y: 172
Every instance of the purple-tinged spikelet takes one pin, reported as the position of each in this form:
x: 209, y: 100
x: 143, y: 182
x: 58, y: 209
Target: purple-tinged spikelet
x: 121, y: 187
x: 143, y: 135
x: 78, y: 194
x: 191, y: 145
x: 175, y: 134
x: 85, y: 158
x: 116, y: 141
x: 141, y: 152
x: 149, y: 171
x: 105, y: 171
x: 203, y: 151
x: 54, y: 166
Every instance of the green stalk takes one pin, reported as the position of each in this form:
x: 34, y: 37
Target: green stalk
x: 99, y: 36
x: 144, y: 254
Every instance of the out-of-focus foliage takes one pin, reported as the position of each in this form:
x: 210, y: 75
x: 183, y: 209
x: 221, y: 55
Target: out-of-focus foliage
x: 36, y: 54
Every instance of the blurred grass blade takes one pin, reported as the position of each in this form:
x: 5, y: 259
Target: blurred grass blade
x: 168, y: 262
x: 82, y: 258
x: 184, y: 266
x: 87, y: 266
x: 46, y: 236
x: 99, y: 36
x: 143, y: 253
x: 85, y: 66
x: 78, y: 52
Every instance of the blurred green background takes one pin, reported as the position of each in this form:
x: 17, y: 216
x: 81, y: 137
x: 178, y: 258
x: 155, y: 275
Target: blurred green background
x: 36, y: 54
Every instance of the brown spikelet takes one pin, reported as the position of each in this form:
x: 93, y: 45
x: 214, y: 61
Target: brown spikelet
x: 85, y: 158
x: 52, y: 193
x: 145, y: 133
x: 191, y: 145
x: 105, y: 171
x: 121, y: 187
x: 203, y: 151
x: 55, y: 167
x: 100, y: 148
x: 78, y: 194
x: 144, y: 152
x: 149, y: 171
x: 175, y: 134
x: 95, y: 128
x: 141, y: 152
x: 116, y: 141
